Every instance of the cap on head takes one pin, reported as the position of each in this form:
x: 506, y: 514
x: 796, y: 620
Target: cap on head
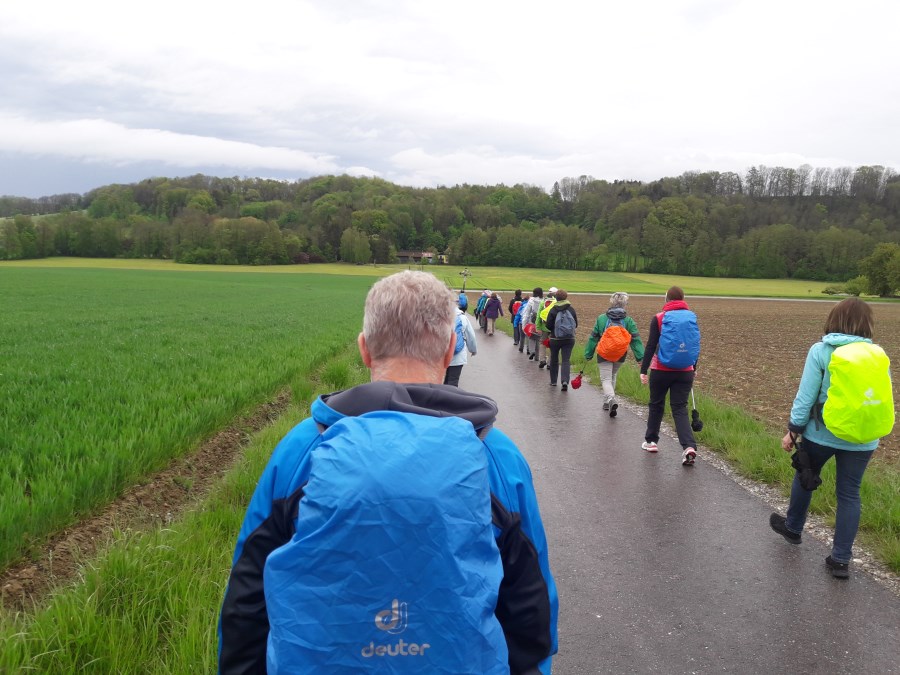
x: 553, y: 289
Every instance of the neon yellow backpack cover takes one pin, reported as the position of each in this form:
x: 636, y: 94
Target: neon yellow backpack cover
x: 860, y: 403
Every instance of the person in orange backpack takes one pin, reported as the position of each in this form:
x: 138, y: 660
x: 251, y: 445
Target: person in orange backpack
x: 614, y: 332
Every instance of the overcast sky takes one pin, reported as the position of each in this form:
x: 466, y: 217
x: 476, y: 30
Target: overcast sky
x: 438, y: 93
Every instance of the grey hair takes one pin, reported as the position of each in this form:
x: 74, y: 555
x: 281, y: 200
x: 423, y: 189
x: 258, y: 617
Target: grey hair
x: 409, y: 314
x: 619, y: 299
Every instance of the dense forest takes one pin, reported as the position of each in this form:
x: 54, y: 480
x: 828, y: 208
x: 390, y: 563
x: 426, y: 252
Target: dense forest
x: 811, y: 223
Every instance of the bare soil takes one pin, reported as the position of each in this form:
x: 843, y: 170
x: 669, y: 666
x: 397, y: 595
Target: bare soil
x: 156, y: 501
x: 754, y: 350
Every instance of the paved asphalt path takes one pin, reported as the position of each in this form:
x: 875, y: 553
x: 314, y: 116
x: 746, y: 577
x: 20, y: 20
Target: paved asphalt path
x: 669, y: 569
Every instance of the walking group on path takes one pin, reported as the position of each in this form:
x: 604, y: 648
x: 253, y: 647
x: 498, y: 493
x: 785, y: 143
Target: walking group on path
x: 543, y: 324
x: 842, y: 417
x: 397, y: 529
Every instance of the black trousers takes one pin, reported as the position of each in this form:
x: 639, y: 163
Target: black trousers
x: 560, y: 348
x: 452, y: 375
x: 677, y: 384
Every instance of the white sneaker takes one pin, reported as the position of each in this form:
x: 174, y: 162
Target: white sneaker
x: 688, y: 456
x: 649, y: 446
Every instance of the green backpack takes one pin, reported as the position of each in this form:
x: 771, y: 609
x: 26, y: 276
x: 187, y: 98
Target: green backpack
x: 860, y: 403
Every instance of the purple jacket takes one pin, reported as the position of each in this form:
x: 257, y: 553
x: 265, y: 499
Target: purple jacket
x: 493, y: 308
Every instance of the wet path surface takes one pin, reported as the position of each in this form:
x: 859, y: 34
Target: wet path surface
x: 669, y: 569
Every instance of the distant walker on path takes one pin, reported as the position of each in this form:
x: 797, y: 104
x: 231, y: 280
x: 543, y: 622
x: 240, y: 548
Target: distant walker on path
x: 613, y: 334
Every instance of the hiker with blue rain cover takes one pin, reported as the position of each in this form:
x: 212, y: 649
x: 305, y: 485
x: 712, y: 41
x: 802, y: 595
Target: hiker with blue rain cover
x: 396, y: 529
x: 673, y: 349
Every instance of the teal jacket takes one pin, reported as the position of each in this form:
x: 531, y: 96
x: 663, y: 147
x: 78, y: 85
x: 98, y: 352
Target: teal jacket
x: 806, y: 413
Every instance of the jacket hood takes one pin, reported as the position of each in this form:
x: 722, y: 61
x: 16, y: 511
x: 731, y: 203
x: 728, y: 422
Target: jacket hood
x: 616, y: 313
x: 841, y: 339
x: 675, y: 304
x: 433, y: 400
x: 562, y: 303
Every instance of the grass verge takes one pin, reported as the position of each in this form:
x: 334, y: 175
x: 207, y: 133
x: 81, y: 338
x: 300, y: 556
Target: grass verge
x: 145, y: 605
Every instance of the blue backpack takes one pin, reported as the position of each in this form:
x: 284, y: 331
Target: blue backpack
x: 394, y: 566
x: 463, y: 302
x: 679, y: 339
x: 460, y: 335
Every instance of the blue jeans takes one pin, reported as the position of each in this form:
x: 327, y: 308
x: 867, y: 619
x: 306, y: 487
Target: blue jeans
x: 851, y: 465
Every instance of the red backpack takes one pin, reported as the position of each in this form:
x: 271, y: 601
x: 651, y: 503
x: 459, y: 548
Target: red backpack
x: 615, y: 340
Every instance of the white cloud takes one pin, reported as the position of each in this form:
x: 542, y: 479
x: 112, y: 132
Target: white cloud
x: 101, y: 141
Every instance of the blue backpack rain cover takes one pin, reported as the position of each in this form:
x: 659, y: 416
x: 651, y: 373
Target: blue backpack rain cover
x: 463, y: 302
x: 679, y: 339
x: 394, y: 566
x: 460, y: 335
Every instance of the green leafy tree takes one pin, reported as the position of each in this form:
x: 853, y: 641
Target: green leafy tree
x: 12, y: 248
x: 202, y: 201
x: 27, y: 237
x: 355, y: 246
x: 471, y: 247
x: 880, y: 269
x: 106, y: 238
x: 116, y: 201
x: 856, y: 286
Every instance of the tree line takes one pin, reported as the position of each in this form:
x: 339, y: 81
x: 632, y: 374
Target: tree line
x: 770, y: 222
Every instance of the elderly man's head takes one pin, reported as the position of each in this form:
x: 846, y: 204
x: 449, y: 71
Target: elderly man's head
x: 619, y: 299
x: 409, y: 315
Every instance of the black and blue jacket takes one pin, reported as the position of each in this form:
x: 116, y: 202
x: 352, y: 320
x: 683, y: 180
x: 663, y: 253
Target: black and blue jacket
x: 527, y: 603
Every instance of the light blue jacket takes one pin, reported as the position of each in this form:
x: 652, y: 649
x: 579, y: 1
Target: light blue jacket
x: 806, y: 413
x: 461, y: 358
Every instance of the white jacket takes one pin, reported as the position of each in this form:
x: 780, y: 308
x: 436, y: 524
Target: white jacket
x: 531, y: 310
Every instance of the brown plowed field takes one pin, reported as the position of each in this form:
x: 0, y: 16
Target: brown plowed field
x: 754, y: 350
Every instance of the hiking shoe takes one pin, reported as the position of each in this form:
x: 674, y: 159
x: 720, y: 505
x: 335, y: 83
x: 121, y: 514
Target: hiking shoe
x: 778, y: 524
x: 606, y: 406
x: 649, y: 446
x: 838, y: 570
x: 613, y: 409
x: 542, y: 364
x: 687, y: 457
x: 553, y: 384
x: 530, y: 356
x: 565, y: 387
